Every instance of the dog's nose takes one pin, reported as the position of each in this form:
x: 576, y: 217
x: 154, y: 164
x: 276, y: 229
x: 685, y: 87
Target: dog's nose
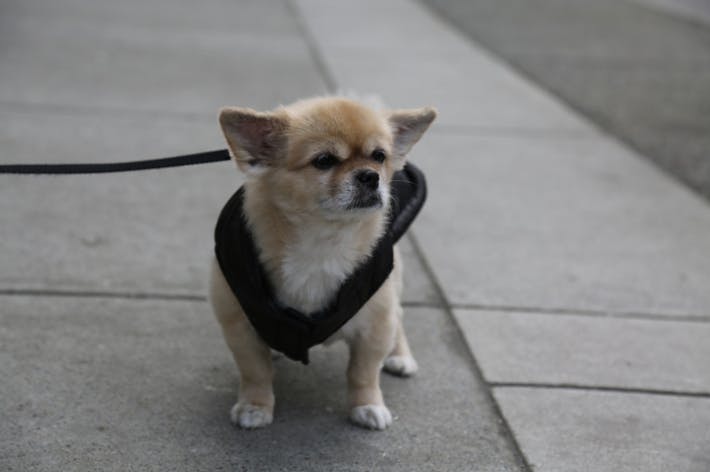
x: 368, y: 178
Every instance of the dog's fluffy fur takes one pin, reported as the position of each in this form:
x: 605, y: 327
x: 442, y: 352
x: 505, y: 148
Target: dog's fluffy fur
x: 316, y: 200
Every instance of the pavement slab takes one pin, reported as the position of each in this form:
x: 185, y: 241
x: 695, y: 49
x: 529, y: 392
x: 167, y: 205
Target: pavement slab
x: 140, y: 232
x: 639, y: 69
x: 112, y: 57
x: 115, y: 81
x: 253, y: 17
x: 41, y: 133
x: 410, y: 59
x: 556, y: 223
x: 593, y: 351
x: 566, y: 430
x: 162, y: 242
x: 693, y: 10
x: 112, y: 384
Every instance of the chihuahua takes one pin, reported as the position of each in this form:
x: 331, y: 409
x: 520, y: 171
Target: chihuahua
x: 316, y: 202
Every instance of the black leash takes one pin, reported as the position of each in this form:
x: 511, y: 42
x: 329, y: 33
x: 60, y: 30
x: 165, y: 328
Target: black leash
x: 184, y: 160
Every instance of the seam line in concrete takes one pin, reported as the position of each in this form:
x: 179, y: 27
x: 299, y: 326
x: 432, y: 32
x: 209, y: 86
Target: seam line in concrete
x: 687, y: 318
x: 599, y: 388
x: 422, y: 305
x: 473, y: 362
x: 195, y: 297
x: 126, y: 295
x: 312, y: 45
x: 23, y: 292
x: 78, y: 110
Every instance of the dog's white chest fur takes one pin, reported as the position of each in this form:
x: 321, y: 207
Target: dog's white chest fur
x: 316, y: 263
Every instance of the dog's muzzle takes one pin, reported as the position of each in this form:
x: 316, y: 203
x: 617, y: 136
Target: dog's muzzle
x: 367, y: 194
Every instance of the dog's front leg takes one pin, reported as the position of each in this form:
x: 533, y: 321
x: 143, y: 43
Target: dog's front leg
x: 255, y: 407
x: 368, y: 350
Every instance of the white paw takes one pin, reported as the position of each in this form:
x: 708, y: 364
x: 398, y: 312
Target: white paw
x: 371, y: 416
x: 250, y: 416
x: 401, y: 365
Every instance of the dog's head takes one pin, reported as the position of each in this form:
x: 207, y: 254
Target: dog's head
x: 334, y: 156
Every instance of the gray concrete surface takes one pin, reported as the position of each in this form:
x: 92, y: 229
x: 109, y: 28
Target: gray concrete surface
x: 565, y: 430
x: 630, y: 353
x: 421, y: 61
x: 563, y: 257
x: 692, y: 10
x: 132, y: 80
x: 636, y: 70
x: 147, y: 232
x: 101, y: 384
x: 555, y: 223
x: 153, y: 56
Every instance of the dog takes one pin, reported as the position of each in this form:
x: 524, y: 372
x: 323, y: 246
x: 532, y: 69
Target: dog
x: 316, y: 200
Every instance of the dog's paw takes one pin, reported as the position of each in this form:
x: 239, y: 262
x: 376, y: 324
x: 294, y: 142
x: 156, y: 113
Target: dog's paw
x: 404, y: 366
x: 371, y: 416
x: 250, y: 416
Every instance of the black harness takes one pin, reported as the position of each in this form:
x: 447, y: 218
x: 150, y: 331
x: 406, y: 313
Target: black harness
x: 288, y: 330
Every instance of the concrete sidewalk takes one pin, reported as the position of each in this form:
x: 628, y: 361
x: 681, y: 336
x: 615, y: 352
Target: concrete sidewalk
x: 557, y: 285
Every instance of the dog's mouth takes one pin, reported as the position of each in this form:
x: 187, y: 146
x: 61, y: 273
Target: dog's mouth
x: 349, y: 201
x: 363, y: 202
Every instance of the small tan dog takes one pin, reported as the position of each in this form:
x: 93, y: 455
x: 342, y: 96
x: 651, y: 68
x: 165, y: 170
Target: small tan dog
x: 316, y: 201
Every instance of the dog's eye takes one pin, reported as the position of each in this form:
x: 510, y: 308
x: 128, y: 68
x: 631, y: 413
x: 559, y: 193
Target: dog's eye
x: 379, y: 155
x: 325, y: 161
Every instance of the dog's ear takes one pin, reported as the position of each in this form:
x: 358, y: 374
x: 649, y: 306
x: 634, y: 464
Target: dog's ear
x: 256, y: 140
x: 408, y: 126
